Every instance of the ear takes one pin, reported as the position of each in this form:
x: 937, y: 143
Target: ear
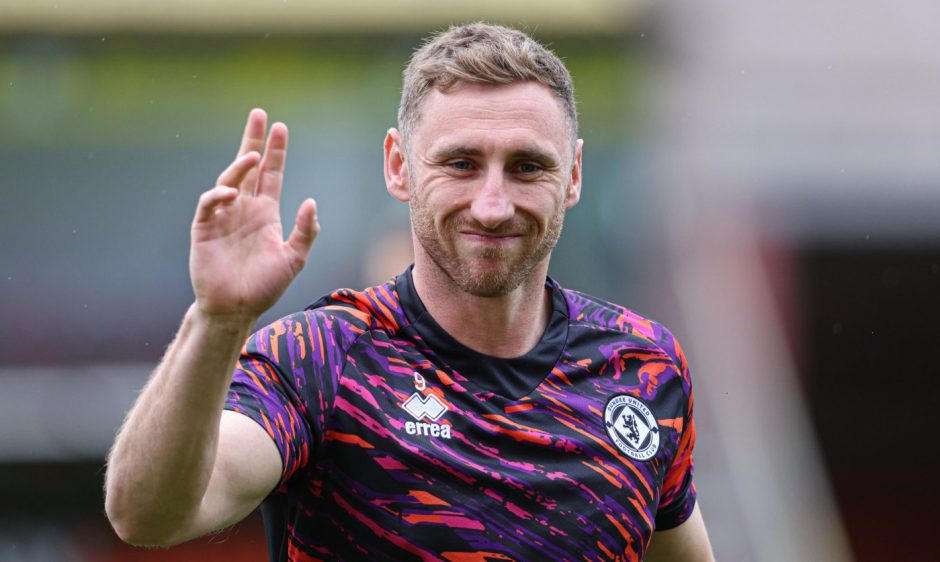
x: 574, y: 188
x: 396, y: 169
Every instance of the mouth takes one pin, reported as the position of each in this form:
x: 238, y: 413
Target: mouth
x: 490, y: 239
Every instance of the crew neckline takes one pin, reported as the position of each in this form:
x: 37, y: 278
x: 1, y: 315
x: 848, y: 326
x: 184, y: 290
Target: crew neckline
x: 511, y: 378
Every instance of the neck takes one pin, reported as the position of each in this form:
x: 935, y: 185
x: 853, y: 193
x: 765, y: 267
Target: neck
x: 505, y: 326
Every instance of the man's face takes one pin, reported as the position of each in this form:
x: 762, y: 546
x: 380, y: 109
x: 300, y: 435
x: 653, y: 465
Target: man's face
x: 490, y: 174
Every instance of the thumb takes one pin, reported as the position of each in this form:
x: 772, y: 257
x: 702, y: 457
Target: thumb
x: 306, y: 228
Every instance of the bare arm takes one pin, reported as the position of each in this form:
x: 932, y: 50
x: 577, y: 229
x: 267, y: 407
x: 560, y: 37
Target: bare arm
x: 180, y: 467
x: 686, y: 543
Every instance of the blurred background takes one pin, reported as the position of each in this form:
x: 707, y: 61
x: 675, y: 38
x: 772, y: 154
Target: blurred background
x: 760, y: 176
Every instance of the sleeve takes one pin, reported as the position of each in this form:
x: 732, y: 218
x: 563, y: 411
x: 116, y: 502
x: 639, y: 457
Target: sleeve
x: 285, y: 383
x: 678, y: 496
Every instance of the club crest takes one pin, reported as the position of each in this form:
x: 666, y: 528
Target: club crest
x: 632, y: 427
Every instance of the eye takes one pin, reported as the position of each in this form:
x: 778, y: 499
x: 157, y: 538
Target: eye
x: 460, y: 165
x: 528, y: 168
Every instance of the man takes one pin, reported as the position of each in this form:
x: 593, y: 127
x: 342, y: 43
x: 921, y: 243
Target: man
x: 469, y: 409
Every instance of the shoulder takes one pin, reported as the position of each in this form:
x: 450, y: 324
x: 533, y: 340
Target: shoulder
x: 594, y: 313
x: 335, y: 321
x: 375, y: 308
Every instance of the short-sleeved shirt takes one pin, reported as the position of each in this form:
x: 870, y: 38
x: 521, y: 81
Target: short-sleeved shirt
x: 400, y: 443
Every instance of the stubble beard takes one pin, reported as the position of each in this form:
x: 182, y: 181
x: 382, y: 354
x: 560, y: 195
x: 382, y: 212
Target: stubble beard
x: 492, y: 271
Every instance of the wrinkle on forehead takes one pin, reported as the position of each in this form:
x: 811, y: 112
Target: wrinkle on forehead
x: 518, y: 117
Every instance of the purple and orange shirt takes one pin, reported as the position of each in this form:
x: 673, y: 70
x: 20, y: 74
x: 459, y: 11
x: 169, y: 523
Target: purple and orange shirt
x: 399, y: 443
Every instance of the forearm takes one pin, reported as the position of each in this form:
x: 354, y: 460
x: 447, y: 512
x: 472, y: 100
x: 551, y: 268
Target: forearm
x: 162, y: 459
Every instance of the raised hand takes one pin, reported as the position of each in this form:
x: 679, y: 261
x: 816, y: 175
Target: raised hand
x: 239, y: 262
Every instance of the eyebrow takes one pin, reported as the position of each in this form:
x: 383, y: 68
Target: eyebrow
x: 446, y: 152
x: 453, y: 151
x: 537, y: 155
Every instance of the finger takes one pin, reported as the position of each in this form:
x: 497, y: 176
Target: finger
x: 236, y: 172
x: 212, y: 200
x: 306, y: 228
x: 253, y: 137
x: 271, y: 172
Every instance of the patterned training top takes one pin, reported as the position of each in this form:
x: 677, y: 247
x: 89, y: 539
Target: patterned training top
x: 399, y: 443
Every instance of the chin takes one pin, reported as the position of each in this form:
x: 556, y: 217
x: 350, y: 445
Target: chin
x: 494, y: 281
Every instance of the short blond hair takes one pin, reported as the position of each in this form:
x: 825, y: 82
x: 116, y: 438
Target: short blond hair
x: 481, y: 53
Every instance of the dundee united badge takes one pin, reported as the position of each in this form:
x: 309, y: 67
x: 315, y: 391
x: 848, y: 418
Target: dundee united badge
x: 632, y: 427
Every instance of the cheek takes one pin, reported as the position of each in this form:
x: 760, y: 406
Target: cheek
x: 430, y: 212
x: 542, y: 204
x: 440, y: 203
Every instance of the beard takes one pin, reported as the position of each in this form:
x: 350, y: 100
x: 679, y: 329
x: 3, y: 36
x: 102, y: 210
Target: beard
x: 492, y: 271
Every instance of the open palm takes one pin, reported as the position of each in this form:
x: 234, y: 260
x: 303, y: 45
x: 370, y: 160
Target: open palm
x: 239, y: 262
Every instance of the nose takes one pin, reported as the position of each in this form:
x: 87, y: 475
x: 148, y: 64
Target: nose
x: 491, y: 205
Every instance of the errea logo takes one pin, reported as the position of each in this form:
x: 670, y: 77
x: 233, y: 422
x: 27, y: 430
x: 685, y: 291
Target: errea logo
x: 428, y: 407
